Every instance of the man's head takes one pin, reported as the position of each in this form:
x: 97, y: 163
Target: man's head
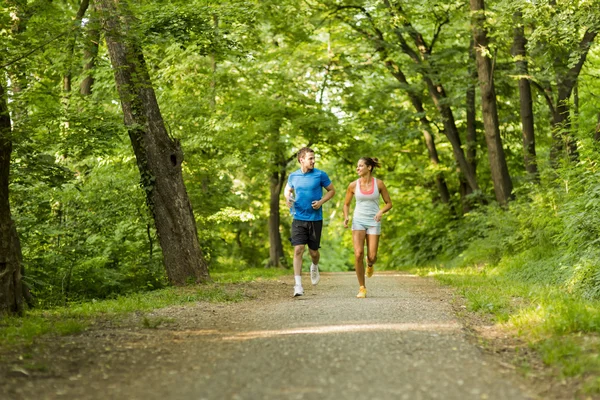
x: 306, y: 158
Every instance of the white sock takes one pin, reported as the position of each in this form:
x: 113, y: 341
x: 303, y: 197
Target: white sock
x: 298, y: 279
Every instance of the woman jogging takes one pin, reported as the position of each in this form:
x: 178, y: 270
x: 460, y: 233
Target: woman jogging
x: 366, y: 221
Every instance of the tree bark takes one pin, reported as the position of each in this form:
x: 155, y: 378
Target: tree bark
x: 83, y: 6
x: 11, y: 289
x: 90, y: 52
x: 159, y: 156
x: 566, y: 78
x: 276, y: 255
x: 525, y: 98
x: 471, y: 113
x: 498, y: 167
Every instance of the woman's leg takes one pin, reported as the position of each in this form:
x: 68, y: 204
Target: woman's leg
x: 372, y: 245
x: 358, y: 241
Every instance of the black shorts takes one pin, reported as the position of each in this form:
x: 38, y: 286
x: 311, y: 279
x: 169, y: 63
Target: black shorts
x: 307, y: 232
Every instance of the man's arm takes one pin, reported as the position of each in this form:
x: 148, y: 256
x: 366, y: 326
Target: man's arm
x: 330, y: 193
x: 286, y: 194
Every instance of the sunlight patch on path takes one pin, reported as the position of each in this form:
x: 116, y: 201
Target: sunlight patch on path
x: 348, y: 328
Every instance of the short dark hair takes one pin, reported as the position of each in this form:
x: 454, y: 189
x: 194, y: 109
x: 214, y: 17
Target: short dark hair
x: 371, y: 162
x: 303, y: 151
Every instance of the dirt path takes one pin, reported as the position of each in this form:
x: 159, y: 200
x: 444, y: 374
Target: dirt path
x: 403, y: 342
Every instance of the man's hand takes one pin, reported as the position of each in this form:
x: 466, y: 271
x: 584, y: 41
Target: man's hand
x: 316, y: 204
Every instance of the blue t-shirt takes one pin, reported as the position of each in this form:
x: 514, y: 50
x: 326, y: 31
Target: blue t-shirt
x: 308, y: 187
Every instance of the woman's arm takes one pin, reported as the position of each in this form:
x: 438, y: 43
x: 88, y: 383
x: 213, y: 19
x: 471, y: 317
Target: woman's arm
x: 386, y: 199
x: 347, y: 200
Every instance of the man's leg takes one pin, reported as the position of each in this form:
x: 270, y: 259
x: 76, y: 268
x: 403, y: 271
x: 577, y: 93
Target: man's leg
x: 315, y: 276
x: 315, y: 256
x: 298, y: 253
x: 314, y: 243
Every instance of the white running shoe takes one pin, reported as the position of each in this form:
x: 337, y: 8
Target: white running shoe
x: 298, y: 290
x: 314, y: 274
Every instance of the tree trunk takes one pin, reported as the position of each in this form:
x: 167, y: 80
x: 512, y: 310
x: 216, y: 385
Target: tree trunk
x: 71, y: 42
x: 417, y: 103
x: 498, y: 167
x: 440, y: 182
x: 90, y: 52
x: 275, y: 245
x: 213, y: 67
x: 525, y: 98
x: 566, y: 78
x: 438, y: 94
x: 471, y: 113
x: 159, y: 156
x: 436, y: 90
x: 11, y: 290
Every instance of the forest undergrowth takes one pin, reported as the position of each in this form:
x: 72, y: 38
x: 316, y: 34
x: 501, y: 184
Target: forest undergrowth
x: 533, y: 267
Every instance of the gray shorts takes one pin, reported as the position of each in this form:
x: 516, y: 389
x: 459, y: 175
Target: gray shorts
x: 373, y: 228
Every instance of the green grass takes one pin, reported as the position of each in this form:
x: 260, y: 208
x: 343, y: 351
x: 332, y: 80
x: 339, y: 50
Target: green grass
x: 561, y: 326
x: 76, y: 317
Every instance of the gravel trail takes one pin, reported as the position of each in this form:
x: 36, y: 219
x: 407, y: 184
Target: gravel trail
x: 402, y: 342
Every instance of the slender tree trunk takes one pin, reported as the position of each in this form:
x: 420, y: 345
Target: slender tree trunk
x: 11, y: 290
x: 275, y: 245
x: 440, y: 182
x: 90, y: 52
x: 438, y: 95
x: 417, y: 103
x: 471, y: 113
x: 471, y: 136
x: 525, y: 98
x: 213, y: 67
x: 566, y: 78
x: 498, y: 166
x: 83, y: 6
x: 436, y: 90
x: 159, y: 156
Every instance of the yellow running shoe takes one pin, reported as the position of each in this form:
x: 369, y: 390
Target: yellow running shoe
x: 369, y: 271
x: 362, y: 292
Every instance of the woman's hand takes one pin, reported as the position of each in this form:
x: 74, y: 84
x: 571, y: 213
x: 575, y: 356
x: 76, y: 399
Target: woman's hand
x: 346, y: 220
x: 378, y: 216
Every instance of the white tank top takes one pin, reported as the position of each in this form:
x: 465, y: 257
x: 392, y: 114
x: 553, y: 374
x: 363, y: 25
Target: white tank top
x: 367, y: 204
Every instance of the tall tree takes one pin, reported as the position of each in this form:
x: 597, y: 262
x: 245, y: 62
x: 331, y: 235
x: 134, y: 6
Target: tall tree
x: 71, y: 42
x: 406, y: 32
x: 277, y: 182
x: 498, y: 167
x: 377, y: 38
x: 159, y: 156
x: 90, y: 51
x: 11, y: 291
x: 563, y: 37
x: 525, y: 98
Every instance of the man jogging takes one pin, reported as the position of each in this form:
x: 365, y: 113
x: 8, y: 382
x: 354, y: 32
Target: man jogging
x: 307, y: 185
